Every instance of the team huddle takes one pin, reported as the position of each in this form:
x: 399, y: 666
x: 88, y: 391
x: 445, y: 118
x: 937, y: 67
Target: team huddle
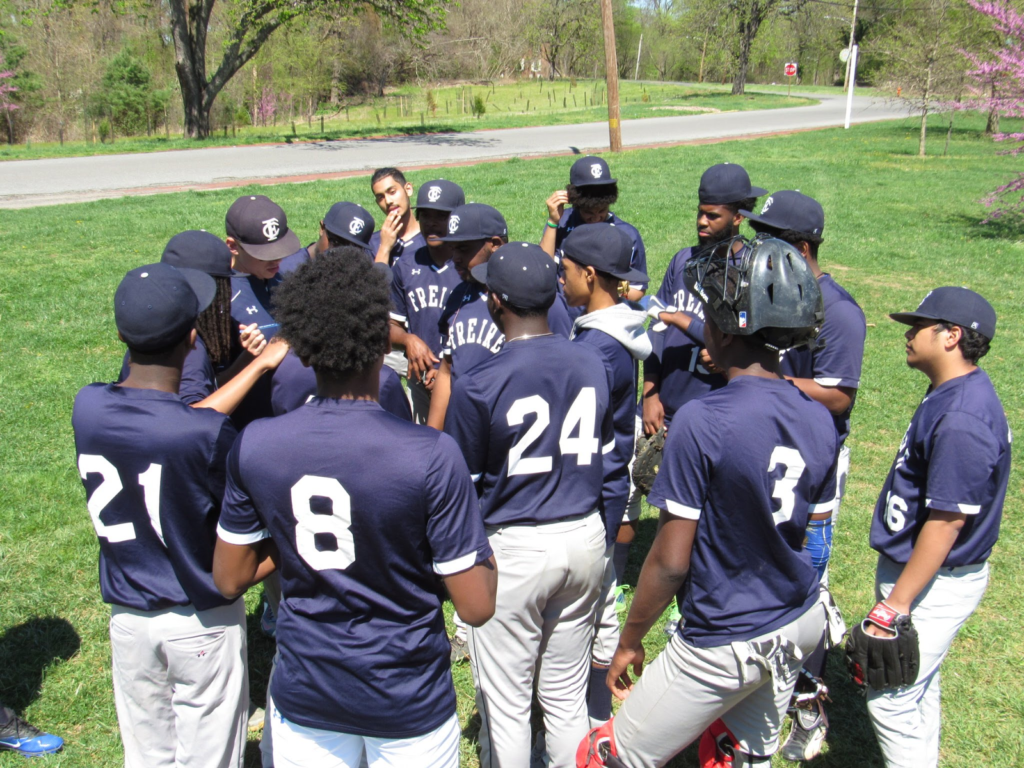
x: 388, y: 419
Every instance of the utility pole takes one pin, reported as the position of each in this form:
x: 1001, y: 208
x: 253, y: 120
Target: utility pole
x: 636, y: 73
x: 611, y: 67
x: 853, y: 30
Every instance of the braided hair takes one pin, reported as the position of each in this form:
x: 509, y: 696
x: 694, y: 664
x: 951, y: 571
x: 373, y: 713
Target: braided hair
x: 215, y: 325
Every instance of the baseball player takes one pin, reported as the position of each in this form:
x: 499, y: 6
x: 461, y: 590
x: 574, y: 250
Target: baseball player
x: 153, y: 471
x: 420, y: 287
x: 938, y: 514
x: 736, y: 488
x: 595, y: 272
x: 258, y: 238
x: 207, y: 380
x: 678, y: 370
x: 400, y: 232
x: 17, y: 735
x: 346, y: 224
x: 470, y: 335
x: 830, y: 374
x: 534, y: 421
x: 591, y: 192
x: 365, y: 511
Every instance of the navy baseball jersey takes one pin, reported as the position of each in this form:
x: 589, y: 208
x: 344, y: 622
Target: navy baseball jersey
x: 468, y: 334
x: 293, y: 262
x: 252, y: 302
x: 153, y: 471
x: 293, y: 383
x: 198, y: 379
x: 572, y: 219
x: 366, y: 510
x: 955, y: 457
x: 750, y: 463
x: 400, y: 247
x: 621, y: 369
x: 534, y: 422
x: 836, y: 361
x: 676, y: 356
x: 419, y: 291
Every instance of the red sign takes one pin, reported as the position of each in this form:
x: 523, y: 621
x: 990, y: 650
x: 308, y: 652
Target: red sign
x: 791, y: 69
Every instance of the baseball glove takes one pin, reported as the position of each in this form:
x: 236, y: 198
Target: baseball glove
x: 649, y: 450
x: 884, y: 663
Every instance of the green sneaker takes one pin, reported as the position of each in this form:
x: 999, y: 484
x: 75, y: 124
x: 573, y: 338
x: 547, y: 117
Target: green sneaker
x: 674, y: 617
x: 620, y: 597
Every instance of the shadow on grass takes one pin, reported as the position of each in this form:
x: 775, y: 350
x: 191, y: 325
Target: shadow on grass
x: 851, y: 740
x: 27, y: 651
x: 1007, y: 227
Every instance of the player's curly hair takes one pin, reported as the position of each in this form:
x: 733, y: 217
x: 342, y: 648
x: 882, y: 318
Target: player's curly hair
x: 973, y: 346
x: 793, y: 237
x: 592, y: 196
x: 334, y: 311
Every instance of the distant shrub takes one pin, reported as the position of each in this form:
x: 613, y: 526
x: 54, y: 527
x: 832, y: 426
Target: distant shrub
x: 479, y: 107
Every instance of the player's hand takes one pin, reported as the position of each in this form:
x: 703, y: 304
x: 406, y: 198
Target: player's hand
x: 274, y: 353
x: 874, y: 631
x: 556, y: 205
x: 618, y: 679
x: 429, y: 378
x: 653, y: 414
x: 421, y: 359
x: 251, y: 339
x: 389, y: 231
x: 708, y: 363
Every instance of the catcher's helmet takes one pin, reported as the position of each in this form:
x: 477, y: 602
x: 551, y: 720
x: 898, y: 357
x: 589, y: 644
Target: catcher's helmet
x: 765, y: 290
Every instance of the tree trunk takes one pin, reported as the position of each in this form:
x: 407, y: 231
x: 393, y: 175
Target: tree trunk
x: 703, y: 52
x: 992, y: 126
x: 739, y: 83
x: 924, y: 111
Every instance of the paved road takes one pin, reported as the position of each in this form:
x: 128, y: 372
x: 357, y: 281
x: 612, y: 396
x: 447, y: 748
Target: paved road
x: 28, y: 183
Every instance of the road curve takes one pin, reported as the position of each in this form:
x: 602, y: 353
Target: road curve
x: 30, y: 183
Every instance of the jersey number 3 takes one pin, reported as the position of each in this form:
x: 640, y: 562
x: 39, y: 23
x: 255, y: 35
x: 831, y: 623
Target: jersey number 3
x: 784, y: 490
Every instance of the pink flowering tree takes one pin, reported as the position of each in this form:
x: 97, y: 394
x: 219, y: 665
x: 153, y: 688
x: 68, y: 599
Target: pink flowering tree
x: 6, y: 105
x: 1000, y: 78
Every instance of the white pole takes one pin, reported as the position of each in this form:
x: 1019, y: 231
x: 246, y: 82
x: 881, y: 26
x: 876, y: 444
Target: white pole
x: 853, y: 79
x: 636, y: 73
x: 853, y: 29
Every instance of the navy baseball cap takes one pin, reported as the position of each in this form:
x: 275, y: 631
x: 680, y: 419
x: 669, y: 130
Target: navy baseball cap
x: 440, y: 195
x: 351, y: 222
x: 589, y: 171
x: 475, y: 221
x: 789, y: 209
x: 260, y: 226
x: 522, y: 274
x: 726, y: 183
x: 156, y: 305
x: 198, y: 249
x: 952, y: 304
x: 604, y: 247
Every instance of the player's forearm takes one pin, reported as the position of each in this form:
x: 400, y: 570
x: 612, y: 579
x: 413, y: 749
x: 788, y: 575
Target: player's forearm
x: 661, y: 578
x: 548, y: 239
x: 439, y: 396
x: 227, y: 398
x: 383, y: 255
x: 635, y: 294
x: 937, y: 537
x: 836, y: 399
x: 234, y: 369
x: 397, y: 334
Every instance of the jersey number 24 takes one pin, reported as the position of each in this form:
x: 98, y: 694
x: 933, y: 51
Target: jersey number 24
x: 582, y: 414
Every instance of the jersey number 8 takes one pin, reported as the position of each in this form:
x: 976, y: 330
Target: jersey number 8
x: 309, y: 524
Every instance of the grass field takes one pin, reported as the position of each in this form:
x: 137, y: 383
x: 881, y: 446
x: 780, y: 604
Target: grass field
x: 406, y: 112
x: 897, y: 226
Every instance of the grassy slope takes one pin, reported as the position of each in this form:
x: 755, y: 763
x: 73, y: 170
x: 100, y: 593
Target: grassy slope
x: 509, y: 106
x: 897, y: 225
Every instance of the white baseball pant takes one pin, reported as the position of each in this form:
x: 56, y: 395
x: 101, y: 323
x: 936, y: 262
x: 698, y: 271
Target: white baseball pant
x: 747, y: 684
x: 906, y: 721
x: 181, y: 685
x: 298, y: 746
x: 540, y: 635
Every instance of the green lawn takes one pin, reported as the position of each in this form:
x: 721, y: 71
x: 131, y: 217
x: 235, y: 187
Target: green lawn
x: 406, y: 112
x: 897, y: 226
